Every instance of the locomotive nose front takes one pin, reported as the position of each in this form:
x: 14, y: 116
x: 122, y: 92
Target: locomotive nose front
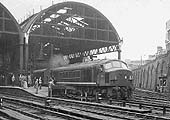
x: 120, y: 77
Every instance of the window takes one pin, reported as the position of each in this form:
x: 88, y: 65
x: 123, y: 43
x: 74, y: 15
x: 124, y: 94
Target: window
x: 115, y: 64
x: 108, y: 66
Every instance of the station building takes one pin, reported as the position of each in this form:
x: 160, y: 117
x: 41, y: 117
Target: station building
x: 71, y: 30
x: 167, y: 41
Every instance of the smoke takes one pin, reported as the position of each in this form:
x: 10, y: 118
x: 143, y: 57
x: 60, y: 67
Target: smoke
x: 58, y: 61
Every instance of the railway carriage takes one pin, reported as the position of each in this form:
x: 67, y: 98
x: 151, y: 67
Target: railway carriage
x: 103, y: 79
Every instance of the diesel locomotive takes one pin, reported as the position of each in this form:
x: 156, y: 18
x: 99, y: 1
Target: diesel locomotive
x: 93, y: 80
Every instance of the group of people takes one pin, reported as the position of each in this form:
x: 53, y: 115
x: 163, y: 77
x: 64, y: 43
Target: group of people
x: 24, y: 81
x: 38, y: 85
x: 36, y: 82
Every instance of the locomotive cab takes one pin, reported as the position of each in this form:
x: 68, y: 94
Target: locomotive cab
x: 115, y: 80
x: 114, y: 73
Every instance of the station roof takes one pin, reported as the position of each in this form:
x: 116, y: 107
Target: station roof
x: 9, y: 29
x: 71, y: 27
x: 10, y: 34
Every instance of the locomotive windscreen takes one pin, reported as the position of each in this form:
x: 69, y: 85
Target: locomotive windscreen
x: 115, y: 64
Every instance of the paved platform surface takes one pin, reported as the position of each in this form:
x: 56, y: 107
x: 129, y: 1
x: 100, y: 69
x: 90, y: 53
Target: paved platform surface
x: 43, y: 92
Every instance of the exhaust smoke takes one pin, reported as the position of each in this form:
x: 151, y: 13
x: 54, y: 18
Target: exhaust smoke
x: 58, y: 61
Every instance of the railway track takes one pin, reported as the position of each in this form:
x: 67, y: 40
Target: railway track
x: 147, y: 99
x: 93, y: 109
x: 152, y: 97
x: 85, y: 113
x: 42, y: 112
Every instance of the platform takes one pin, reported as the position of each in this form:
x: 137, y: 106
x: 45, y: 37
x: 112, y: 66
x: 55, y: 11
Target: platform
x: 43, y: 92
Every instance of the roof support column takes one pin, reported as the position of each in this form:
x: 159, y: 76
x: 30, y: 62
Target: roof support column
x: 21, y: 47
x: 26, y: 54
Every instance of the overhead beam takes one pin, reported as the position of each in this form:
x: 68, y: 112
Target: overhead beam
x: 72, y: 38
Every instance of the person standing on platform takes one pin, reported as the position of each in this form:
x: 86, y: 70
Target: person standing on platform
x: 33, y: 81
x: 13, y: 80
x: 20, y: 80
x: 25, y: 82
x: 40, y: 83
x: 29, y: 80
x: 50, y: 84
x: 36, y: 86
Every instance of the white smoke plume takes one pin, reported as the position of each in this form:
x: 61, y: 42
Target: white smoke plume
x: 58, y: 61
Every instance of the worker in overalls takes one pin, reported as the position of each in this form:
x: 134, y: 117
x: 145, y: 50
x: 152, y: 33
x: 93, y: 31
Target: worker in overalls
x: 50, y: 84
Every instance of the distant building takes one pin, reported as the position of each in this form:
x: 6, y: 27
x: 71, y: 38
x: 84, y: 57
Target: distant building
x: 167, y: 41
x: 151, y: 57
x: 133, y: 64
x: 160, y: 51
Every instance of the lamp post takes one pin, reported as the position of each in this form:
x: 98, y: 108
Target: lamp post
x: 118, y: 48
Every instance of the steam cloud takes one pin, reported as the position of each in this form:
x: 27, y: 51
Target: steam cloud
x: 58, y: 61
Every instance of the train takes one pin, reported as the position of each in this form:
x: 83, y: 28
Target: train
x: 93, y: 80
